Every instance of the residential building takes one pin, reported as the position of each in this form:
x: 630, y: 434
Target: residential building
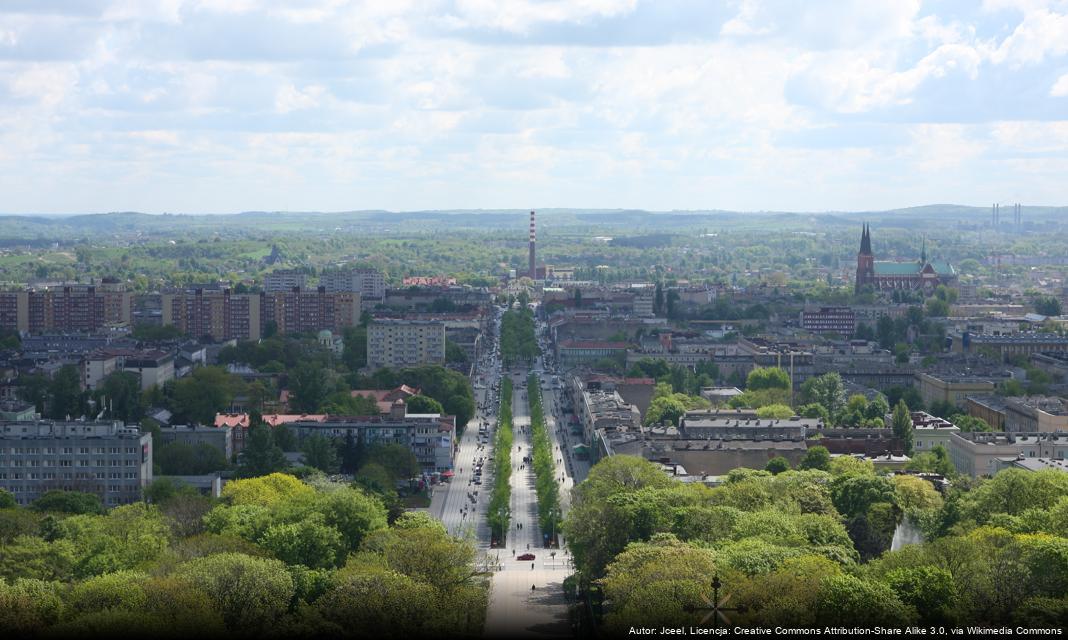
x: 369, y: 283
x: 218, y: 313
x: 1003, y: 346
x: 405, y: 343
x: 17, y: 411
x: 106, y: 458
x: 930, y: 432
x: 1029, y: 414
x: 431, y: 437
x: 222, y: 438
x: 840, y: 320
x: 570, y: 353
x: 720, y: 396
x: 603, y: 412
x: 983, y: 454
x: 284, y: 280
x: 65, y: 307
x: 951, y: 388
x: 330, y: 342
x: 311, y: 310
x: 153, y: 368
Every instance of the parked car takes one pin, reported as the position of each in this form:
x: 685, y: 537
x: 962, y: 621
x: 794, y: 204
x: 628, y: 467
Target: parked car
x: 526, y: 556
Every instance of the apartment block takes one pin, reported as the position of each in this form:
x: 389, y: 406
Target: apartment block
x: 840, y: 320
x: 369, y: 283
x: 222, y: 438
x: 65, y: 307
x: 106, y: 458
x: 951, y: 388
x: 218, y: 313
x: 284, y: 280
x: 1038, y: 414
x: 984, y: 454
x: 431, y: 437
x: 405, y: 343
x: 311, y: 310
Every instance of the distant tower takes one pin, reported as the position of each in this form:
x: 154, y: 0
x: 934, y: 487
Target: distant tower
x: 923, y: 251
x: 865, y: 261
x: 533, y: 269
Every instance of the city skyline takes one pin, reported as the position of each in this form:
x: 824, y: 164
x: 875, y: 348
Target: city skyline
x: 199, y: 107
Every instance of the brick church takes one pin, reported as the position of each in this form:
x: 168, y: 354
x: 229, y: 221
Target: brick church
x: 891, y: 276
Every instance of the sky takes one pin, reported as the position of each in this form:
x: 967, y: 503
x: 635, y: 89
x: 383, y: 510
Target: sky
x: 216, y: 106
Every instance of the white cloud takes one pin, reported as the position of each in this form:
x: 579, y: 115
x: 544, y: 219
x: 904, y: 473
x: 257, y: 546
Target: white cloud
x: 333, y: 104
x: 1060, y: 87
x: 519, y: 15
x: 1042, y: 33
x: 289, y: 98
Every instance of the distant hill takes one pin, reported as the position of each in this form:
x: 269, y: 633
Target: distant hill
x: 627, y: 221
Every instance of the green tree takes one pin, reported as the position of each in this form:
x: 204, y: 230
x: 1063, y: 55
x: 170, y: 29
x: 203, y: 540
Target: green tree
x: 816, y: 458
x: 902, y: 426
x: 284, y: 438
x: 67, y: 401
x: 592, y: 526
x: 844, y: 599
x: 261, y: 455
x: 307, y: 542
x: 397, y: 459
x: 307, y: 388
x: 199, y: 396
x: 652, y: 583
x: 777, y: 465
x: 930, y: 590
x: 183, y: 459
x: 122, y: 392
x: 779, y: 411
x: 320, y: 452
x: 1047, y: 305
x: 251, y: 593
x: 767, y: 378
x: 394, y: 605
x: 827, y: 390
x: 423, y: 404
x: 68, y: 502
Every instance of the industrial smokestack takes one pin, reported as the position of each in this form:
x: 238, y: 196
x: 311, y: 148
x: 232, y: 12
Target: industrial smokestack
x: 533, y: 269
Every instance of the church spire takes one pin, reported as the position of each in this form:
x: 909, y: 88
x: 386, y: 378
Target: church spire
x: 923, y: 251
x: 865, y: 241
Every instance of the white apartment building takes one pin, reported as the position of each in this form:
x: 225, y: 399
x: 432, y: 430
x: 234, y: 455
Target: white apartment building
x: 405, y: 343
x: 284, y: 280
x: 369, y: 283
x: 106, y: 458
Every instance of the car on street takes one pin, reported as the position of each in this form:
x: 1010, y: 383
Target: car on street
x: 526, y: 556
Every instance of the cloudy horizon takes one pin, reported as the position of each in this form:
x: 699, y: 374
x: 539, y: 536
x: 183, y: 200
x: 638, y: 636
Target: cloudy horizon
x: 203, y: 106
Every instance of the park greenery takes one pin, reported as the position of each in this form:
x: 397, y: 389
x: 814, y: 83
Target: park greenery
x: 499, y: 511
x: 518, y: 342
x: 812, y: 546
x: 274, y: 557
x: 543, y: 459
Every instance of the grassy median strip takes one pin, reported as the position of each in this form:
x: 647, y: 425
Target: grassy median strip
x: 545, y: 482
x: 500, y: 510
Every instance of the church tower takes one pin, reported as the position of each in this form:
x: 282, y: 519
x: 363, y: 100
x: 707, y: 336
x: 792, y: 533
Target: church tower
x: 865, y: 261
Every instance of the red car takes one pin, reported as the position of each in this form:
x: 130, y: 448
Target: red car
x: 526, y: 556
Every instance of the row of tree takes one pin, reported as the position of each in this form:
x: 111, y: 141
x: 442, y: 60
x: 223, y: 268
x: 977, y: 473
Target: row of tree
x: 543, y: 459
x: 518, y: 340
x: 499, y: 511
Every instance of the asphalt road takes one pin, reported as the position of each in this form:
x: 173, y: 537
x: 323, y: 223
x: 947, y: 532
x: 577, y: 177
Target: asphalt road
x: 515, y: 609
